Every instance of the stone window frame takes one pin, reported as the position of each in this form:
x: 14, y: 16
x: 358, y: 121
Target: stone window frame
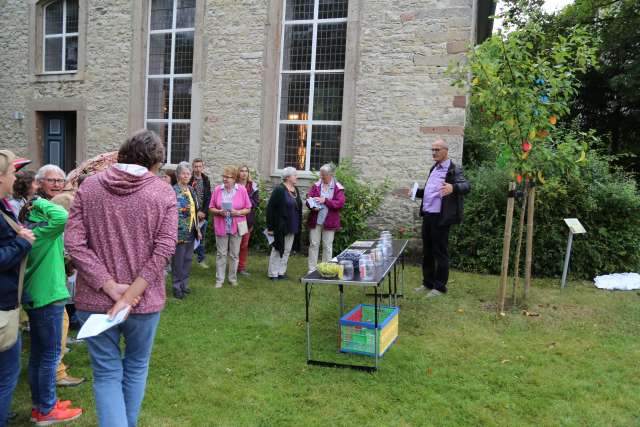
x: 271, y: 86
x: 36, y: 48
x: 138, y: 72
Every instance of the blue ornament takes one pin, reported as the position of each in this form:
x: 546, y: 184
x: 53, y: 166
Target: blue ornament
x: 544, y: 99
x: 539, y: 81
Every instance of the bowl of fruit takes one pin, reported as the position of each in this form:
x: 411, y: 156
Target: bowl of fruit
x: 329, y: 270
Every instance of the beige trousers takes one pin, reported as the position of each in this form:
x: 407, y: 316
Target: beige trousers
x: 61, y: 372
x: 315, y: 235
x: 277, y: 263
x: 228, y: 250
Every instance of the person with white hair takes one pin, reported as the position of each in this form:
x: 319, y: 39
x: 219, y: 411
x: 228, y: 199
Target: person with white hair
x: 188, y: 230
x: 51, y: 180
x: 284, y: 216
x: 442, y: 200
x: 325, y: 199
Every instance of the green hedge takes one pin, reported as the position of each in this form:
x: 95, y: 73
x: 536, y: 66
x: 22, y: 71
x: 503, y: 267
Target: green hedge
x: 607, y: 203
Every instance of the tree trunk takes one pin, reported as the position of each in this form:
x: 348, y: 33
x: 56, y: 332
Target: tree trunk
x: 504, y: 274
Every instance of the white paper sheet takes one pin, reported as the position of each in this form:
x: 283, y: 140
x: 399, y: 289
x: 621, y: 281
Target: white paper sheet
x: 269, y: 237
x: 98, y: 323
x: 312, y: 203
x: 414, y: 191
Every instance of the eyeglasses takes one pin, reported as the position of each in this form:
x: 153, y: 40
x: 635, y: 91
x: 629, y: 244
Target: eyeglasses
x: 54, y: 180
x: 437, y: 150
x: 227, y: 177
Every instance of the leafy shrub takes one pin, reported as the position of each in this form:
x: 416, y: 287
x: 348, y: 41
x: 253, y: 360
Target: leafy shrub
x: 606, y: 202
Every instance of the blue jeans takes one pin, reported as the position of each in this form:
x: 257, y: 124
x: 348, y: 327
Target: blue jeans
x: 45, y: 325
x: 9, y: 373
x: 200, y: 250
x: 119, y: 382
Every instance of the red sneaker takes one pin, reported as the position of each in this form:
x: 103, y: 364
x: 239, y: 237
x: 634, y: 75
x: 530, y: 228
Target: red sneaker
x: 57, y: 415
x: 61, y: 404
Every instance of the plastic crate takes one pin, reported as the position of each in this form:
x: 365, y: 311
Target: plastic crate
x: 357, y: 330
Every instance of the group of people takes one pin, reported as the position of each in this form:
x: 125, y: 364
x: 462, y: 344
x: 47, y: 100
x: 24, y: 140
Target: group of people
x: 232, y: 206
x: 116, y: 234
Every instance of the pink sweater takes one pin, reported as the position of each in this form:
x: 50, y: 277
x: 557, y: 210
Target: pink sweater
x: 240, y: 201
x: 121, y: 226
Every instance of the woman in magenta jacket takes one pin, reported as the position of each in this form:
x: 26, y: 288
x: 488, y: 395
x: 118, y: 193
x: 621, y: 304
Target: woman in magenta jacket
x: 229, y: 205
x: 325, y: 199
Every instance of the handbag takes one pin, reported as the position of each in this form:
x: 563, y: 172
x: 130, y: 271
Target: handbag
x: 243, y: 228
x: 10, y: 319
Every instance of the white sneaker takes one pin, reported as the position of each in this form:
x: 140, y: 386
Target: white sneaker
x: 218, y: 285
x: 434, y: 293
x: 421, y: 289
x: 234, y: 283
x: 203, y: 265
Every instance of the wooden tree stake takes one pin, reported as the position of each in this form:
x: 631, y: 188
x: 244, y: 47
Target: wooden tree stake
x: 529, y: 253
x: 504, y: 274
x: 516, y: 274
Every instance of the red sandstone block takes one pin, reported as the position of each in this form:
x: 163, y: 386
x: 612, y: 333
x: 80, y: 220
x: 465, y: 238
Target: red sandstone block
x: 442, y: 130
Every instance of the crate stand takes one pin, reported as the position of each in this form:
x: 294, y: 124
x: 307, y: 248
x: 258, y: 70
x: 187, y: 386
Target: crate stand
x: 387, y: 271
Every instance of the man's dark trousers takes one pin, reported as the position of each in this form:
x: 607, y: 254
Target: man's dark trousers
x: 435, y: 253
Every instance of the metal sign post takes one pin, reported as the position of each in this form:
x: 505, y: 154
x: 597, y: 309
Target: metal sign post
x: 574, y: 228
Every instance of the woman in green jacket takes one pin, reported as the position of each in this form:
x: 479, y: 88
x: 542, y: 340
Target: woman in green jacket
x: 45, y: 283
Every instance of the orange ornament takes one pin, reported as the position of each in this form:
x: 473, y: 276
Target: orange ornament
x: 553, y: 120
x: 543, y: 133
x: 519, y: 179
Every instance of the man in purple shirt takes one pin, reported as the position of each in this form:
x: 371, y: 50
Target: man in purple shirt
x: 442, y: 201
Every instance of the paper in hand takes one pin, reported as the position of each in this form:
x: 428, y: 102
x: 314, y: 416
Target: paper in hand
x: 312, y: 203
x: 98, y: 323
x: 270, y: 238
x: 414, y: 191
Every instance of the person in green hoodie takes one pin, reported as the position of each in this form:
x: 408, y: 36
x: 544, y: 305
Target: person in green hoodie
x: 45, y: 283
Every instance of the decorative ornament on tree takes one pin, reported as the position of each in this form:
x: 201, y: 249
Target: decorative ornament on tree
x: 526, y: 146
x: 553, y: 120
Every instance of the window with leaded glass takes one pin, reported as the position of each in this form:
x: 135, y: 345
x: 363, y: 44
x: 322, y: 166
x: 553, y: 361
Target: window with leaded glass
x: 60, y: 44
x: 314, y: 36
x: 170, y: 73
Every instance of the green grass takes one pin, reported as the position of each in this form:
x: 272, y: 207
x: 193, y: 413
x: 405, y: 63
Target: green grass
x: 236, y: 356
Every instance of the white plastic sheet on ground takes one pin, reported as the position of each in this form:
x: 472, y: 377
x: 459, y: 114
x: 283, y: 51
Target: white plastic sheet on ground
x: 618, y: 281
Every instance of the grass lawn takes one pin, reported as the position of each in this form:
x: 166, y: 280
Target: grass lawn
x: 236, y: 356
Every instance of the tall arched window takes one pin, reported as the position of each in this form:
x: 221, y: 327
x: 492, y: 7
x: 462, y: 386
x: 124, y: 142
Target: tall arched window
x: 60, y: 36
x: 312, y: 66
x: 170, y: 74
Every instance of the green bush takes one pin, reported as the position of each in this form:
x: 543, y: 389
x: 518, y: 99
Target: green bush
x: 606, y: 202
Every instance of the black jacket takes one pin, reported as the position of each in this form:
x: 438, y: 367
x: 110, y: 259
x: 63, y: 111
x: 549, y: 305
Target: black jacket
x: 12, y: 250
x: 453, y: 204
x: 278, y: 216
x: 206, y: 193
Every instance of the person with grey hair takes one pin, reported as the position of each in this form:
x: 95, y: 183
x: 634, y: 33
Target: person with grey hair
x: 284, y: 216
x: 188, y: 230
x: 442, y: 201
x: 51, y: 179
x: 325, y: 199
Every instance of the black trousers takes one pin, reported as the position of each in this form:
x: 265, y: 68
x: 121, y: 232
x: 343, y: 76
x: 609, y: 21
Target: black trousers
x: 435, y: 253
